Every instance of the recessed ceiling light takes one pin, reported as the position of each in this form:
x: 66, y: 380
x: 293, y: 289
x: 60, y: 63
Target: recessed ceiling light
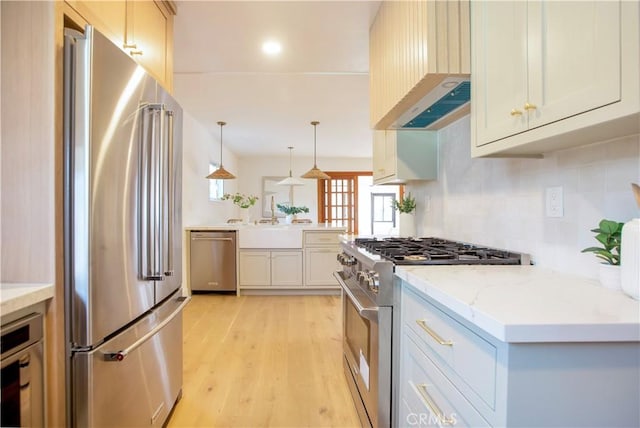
x: 271, y: 47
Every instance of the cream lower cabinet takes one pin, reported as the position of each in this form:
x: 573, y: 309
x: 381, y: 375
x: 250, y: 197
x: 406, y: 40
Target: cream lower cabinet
x: 270, y: 268
x: 320, y: 264
x: 545, y: 72
x: 453, y: 373
x: 321, y: 249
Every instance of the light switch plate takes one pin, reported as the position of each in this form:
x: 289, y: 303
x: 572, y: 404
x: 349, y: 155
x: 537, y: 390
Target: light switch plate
x: 554, y: 202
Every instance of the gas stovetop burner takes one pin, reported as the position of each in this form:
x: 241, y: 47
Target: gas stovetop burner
x: 434, y: 251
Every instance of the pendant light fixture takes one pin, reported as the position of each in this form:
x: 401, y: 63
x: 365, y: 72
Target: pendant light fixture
x: 290, y: 180
x: 314, y: 172
x: 221, y: 173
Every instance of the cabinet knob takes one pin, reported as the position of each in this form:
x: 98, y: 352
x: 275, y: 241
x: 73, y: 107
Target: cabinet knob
x: 528, y: 106
x: 516, y: 112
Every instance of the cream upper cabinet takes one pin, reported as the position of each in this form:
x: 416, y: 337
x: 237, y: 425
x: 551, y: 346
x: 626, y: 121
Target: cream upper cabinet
x: 142, y: 28
x: 384, y: 154
x: 547, y: 75
x: 400, y: 156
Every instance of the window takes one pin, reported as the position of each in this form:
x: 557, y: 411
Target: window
x: 383, y: 214
x: 216, y: 187
x: 338, y: 199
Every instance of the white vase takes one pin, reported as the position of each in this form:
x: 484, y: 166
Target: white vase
x: 246, y: 216
x: 630, y: 258
x: 288, y: 219
x: 407, y: 226
x: 610, y: 276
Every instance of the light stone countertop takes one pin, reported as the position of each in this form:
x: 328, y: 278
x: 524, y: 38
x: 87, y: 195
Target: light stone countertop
x: 303, y: 226
x: 14, y: 297
x: 528, y: 303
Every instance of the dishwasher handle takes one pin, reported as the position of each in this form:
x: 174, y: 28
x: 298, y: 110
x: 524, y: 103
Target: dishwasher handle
x: 210, y: 238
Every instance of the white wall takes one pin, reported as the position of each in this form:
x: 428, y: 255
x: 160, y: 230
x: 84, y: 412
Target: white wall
x: 252, y: 169
x: 199, y: 149
x: 500, y: 202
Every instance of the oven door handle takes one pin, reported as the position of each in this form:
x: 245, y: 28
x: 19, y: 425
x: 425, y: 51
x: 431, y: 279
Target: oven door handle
x: 370, y: 313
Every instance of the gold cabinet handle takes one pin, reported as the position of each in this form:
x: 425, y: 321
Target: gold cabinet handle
x: 516, y: 112
x: 135, y: 52
x: 422, y: 389
x: 130, y: 46
x: 430, y: 332
x: 528, y: 106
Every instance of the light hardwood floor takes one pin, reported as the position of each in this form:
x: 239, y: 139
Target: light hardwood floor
x: 260, y: 361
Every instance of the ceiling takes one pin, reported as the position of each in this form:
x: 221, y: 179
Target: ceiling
x: 268, y: 102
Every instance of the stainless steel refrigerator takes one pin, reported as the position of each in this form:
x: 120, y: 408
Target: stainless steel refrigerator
x: 122, y: 241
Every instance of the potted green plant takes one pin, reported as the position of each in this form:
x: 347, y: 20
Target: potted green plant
x: 291, y: 211
x: 243, y: 201
x: 406, y: 206
x: 609, y: 234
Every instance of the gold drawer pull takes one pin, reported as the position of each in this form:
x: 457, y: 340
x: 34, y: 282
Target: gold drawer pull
x: 516, y: 112
x: 528, y: 106
x: 430, y: 332
x: 422, y: 389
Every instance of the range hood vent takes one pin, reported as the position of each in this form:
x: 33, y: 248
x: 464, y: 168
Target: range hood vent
x: 441, y: 106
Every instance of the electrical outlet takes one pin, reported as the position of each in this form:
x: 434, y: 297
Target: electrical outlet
x: 554, y: 202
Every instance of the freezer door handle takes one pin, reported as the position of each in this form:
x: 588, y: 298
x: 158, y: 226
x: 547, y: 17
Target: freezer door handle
x: 169, y: 197
x: 118, y: 356
x: 151, y: 207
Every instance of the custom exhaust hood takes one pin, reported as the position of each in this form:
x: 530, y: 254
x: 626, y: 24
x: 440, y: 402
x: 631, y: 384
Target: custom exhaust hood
x: 445, y: 103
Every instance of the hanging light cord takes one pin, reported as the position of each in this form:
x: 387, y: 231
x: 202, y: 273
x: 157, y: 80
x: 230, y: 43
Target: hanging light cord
x: 314, y: 123
x: 221, y: 125
x: 290, y: 152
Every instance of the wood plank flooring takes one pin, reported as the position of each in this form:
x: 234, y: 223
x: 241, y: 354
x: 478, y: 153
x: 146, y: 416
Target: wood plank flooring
x: 263, y: 361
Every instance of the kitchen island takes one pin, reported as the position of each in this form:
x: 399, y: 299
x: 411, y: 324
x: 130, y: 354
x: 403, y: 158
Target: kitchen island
x: 282, y: 259
x: 516, y: 346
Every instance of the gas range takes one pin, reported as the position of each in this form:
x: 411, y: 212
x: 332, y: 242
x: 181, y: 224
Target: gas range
x: 437, y: 251
x: 371, y: 306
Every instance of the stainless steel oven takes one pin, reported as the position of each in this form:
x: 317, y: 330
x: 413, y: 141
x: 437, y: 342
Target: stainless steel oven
x: 367, y: 314
x: 22, y: 401
x: 371, y: 311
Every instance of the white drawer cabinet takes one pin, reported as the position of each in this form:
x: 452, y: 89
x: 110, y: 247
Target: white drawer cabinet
x: 464, y: 352
x: 547, y: 75
x: 457, y: 370
x: 429, y: 398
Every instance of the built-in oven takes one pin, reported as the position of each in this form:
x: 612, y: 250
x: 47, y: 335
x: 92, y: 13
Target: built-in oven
x: 367, y: 323
x: 22, y: 401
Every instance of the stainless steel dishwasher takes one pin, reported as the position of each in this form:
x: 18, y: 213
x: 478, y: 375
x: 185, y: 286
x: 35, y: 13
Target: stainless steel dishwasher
x: 213, y: 261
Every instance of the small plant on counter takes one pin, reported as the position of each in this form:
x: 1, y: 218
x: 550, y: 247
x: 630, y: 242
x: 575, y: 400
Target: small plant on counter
x: 292, y: 210
x: 240, y: 199
x: 406, y: 204
x: 609, y: 234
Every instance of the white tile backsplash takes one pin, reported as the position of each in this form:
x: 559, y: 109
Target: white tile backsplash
x: 501, y: 202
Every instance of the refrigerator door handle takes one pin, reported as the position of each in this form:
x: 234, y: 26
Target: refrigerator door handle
x: 170, y: 197
x: 120, y: 355
x: 150, y: 210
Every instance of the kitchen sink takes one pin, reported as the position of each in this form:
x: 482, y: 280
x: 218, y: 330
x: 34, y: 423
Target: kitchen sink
x: 270, y: 236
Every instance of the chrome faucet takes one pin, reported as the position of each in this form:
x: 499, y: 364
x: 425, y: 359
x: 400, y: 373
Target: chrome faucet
x: 274, y: 219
